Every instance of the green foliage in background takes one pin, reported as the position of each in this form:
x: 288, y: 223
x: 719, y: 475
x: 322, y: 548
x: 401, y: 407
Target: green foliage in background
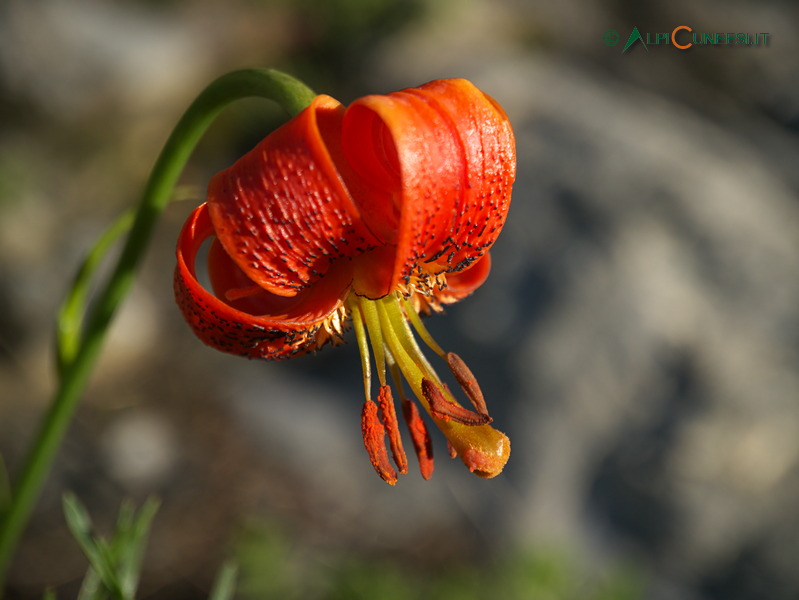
x: 115, y: 563
x: 273, y: 567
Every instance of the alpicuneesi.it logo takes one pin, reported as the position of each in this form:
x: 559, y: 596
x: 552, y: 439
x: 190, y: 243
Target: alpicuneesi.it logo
x: 684, y: 37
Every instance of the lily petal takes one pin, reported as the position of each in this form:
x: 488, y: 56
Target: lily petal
x: 489, y: 149
x: 464, y: 282
x: 257, y: 325
x: 283, y: 212
x: 440, y: 161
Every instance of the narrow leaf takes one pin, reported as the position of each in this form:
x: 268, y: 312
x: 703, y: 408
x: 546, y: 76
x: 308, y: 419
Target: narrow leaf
x: 71, y: 313
x: 92, y: 587
x: 225, y: 584
x: 132, y: 554
x: 96, y: 550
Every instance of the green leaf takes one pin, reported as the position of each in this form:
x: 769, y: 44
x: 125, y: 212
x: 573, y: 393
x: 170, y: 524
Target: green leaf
x: 225, y: 583
x: 94, y: 548
x: 71, y: 314
x: 132, y: 533
x: 92, y: 587
x: 115, y: 565
x: 78, y: 521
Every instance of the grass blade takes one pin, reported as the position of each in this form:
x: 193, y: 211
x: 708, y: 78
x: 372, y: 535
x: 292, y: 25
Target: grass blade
x: 96, y: 550
x: 225, y: 583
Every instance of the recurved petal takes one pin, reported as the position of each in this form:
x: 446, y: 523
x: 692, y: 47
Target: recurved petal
x: 242, y: 318
x: 489, y: 168
x: 462, y: 283
x: 282, y: 212
x: 442, y: 158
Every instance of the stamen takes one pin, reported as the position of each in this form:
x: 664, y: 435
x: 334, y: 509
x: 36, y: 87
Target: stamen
x: 396, y: 374
x: 386, y: 402
x: 373, y: 326
x: 363, y: 348
x: 483, y: 449
x: 441, y: 408
x: 399, y: 339
x: 374, y: 440
x: 420, y: 437
x: 416, y: 321
x: 467, y: 382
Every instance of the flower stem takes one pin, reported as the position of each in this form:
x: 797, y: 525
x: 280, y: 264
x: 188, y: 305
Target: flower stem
x: 77, y: 351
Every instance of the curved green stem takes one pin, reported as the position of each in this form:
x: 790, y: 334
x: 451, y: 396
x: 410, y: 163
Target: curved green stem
x: 76, y: 351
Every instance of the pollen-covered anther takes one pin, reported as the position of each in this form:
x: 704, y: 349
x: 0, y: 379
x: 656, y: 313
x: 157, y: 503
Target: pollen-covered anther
x: 374, y: 433
x: 420, y: 437
x: 389, y: 414
x: 468, y: 383
x: 441, y: 408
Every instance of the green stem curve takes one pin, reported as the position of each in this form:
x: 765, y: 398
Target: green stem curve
x: 77, y: 353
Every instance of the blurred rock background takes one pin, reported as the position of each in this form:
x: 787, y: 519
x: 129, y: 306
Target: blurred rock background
x: 637, y: 338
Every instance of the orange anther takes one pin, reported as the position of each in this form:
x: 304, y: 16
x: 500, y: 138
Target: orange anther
x: 386, y: 402
x: 374, y: 440
x: 442, y: 408
x: 420, y: 438
x: 467, y: 382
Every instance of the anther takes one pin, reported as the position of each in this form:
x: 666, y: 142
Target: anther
x: 442, y: 408
x: 374, y: 441
x: 420, y: 437
x: 467, y: 382
x: 386, y: 402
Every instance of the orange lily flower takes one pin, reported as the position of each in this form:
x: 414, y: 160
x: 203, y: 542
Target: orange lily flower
x: 370, y: 214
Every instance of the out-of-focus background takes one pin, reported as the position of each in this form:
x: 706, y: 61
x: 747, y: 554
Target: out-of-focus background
x: 638, y: 338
